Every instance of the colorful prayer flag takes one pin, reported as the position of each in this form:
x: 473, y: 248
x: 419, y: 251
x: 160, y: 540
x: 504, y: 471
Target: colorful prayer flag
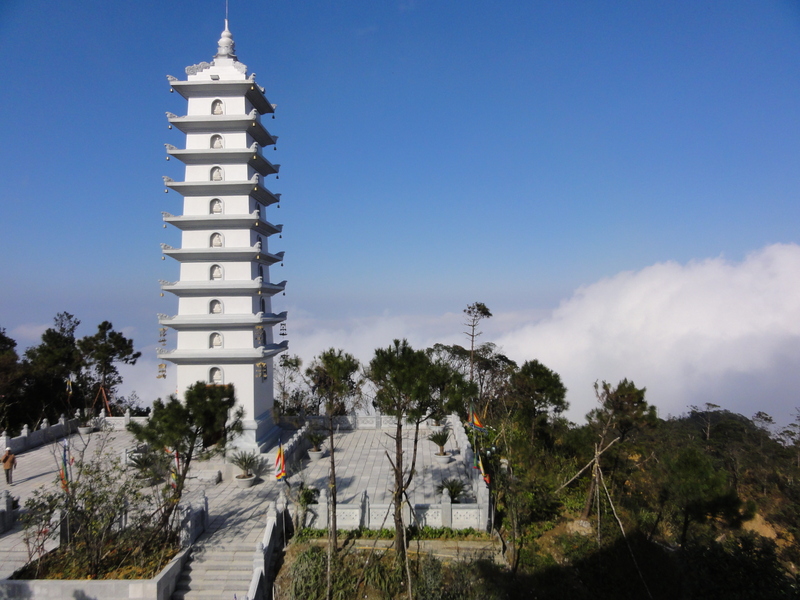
x: 64, y: 470
x: 483, y: 472
x: 474, y: 421
x: 280, y: 463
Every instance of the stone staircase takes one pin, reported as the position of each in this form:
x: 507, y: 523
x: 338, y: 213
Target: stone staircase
x: 216, y: 571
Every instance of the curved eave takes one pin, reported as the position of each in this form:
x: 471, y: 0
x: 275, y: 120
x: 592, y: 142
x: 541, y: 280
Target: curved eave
x: 223, y: 355
x: 223, y: 255
x: 225, y: 124
x: 225, y: 188
x: 197, y: 222
x: 247, y: 287
x: 212, y: 156
x: 206, y: 88
x: 184, y: 322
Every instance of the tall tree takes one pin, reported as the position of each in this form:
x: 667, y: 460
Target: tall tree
x: 491, y: 371
x: 334, y: 378
x: 102, y: 352
x: 622, y: 411
x: 403, y: 379
x: 537, y: 392
x: 697, y: 489
x: 475, y: 313
x: 10, y: 379
x: 293, y: 397
x: 50, y: 366
x: 201, y: 425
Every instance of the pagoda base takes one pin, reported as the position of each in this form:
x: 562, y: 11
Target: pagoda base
x: 258, y: 434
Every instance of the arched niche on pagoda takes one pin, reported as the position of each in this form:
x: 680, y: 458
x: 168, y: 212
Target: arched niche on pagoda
x: 215, y: 341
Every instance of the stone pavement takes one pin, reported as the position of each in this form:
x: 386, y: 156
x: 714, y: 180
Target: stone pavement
x: 222, y: 557
x: 361, y: 464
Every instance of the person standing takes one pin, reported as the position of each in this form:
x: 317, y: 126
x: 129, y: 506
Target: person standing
x: 9, y: 464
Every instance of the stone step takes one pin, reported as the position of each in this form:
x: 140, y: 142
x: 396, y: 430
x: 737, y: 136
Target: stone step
x: 222, y: 548
x: 199, y: 582
x: 215, y: 584
x: 219, y: 565
x: 226, y: 594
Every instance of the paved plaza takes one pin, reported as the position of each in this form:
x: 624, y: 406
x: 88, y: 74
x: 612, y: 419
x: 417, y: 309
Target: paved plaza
x: 361, y: 464
x: 238, y: 516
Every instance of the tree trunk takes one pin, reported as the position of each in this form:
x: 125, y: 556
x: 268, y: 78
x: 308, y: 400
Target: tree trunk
x: 685, y: 527
x: 587, y: 507
x: 399, y: 538
x: 332, y: 541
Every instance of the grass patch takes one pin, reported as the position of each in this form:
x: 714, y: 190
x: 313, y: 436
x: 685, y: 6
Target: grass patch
x: 378, y: 576
x: 121, y: 560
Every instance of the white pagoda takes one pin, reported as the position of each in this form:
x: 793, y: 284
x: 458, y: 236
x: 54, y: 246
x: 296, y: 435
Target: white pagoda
x: 225, y: 320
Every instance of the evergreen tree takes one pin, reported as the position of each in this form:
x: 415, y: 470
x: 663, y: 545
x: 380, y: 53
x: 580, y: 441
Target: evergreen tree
x: 200, y: 426
x: 101, y: 353
x: 54, y: 380
x: 403, y: 379
x: 333, y: 377
x: 10, y: 379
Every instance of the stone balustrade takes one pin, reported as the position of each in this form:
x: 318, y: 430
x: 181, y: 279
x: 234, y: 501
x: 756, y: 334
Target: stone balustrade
x: 46, y: 434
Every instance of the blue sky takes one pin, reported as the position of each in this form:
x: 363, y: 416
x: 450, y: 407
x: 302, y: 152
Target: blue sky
x: 555, y: 160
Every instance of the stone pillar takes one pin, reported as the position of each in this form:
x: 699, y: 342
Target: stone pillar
x: 127, y: 417
x: 6, y: 511
x: 365, y: 512
x: 322, y: 509
x: 4, y: 441
x: 272, y: 513
x: 62, y: 420
x: 259, y: 561
x: 45, y: 424
x: 447, y: 510
x: 406, y: 509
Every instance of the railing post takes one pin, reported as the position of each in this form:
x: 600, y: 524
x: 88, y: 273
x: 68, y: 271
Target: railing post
x: 322, y: 511
x: 365, y: 510
x: 447, y: 510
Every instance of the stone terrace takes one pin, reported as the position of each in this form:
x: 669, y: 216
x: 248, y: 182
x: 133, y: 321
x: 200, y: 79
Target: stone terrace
x: 237, y: 516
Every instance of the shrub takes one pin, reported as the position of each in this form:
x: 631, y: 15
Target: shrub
x: 316, y: 439
x: 454, y: 487
x: 440, y: 439
x: 250, y: 463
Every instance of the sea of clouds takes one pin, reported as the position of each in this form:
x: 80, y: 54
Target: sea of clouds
x: 713, y: 330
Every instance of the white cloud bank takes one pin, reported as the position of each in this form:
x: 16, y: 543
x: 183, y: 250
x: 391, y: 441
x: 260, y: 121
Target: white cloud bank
x: 707, y: 331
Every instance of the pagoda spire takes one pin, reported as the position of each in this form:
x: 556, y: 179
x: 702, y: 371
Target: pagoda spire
x: 225, y: 46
